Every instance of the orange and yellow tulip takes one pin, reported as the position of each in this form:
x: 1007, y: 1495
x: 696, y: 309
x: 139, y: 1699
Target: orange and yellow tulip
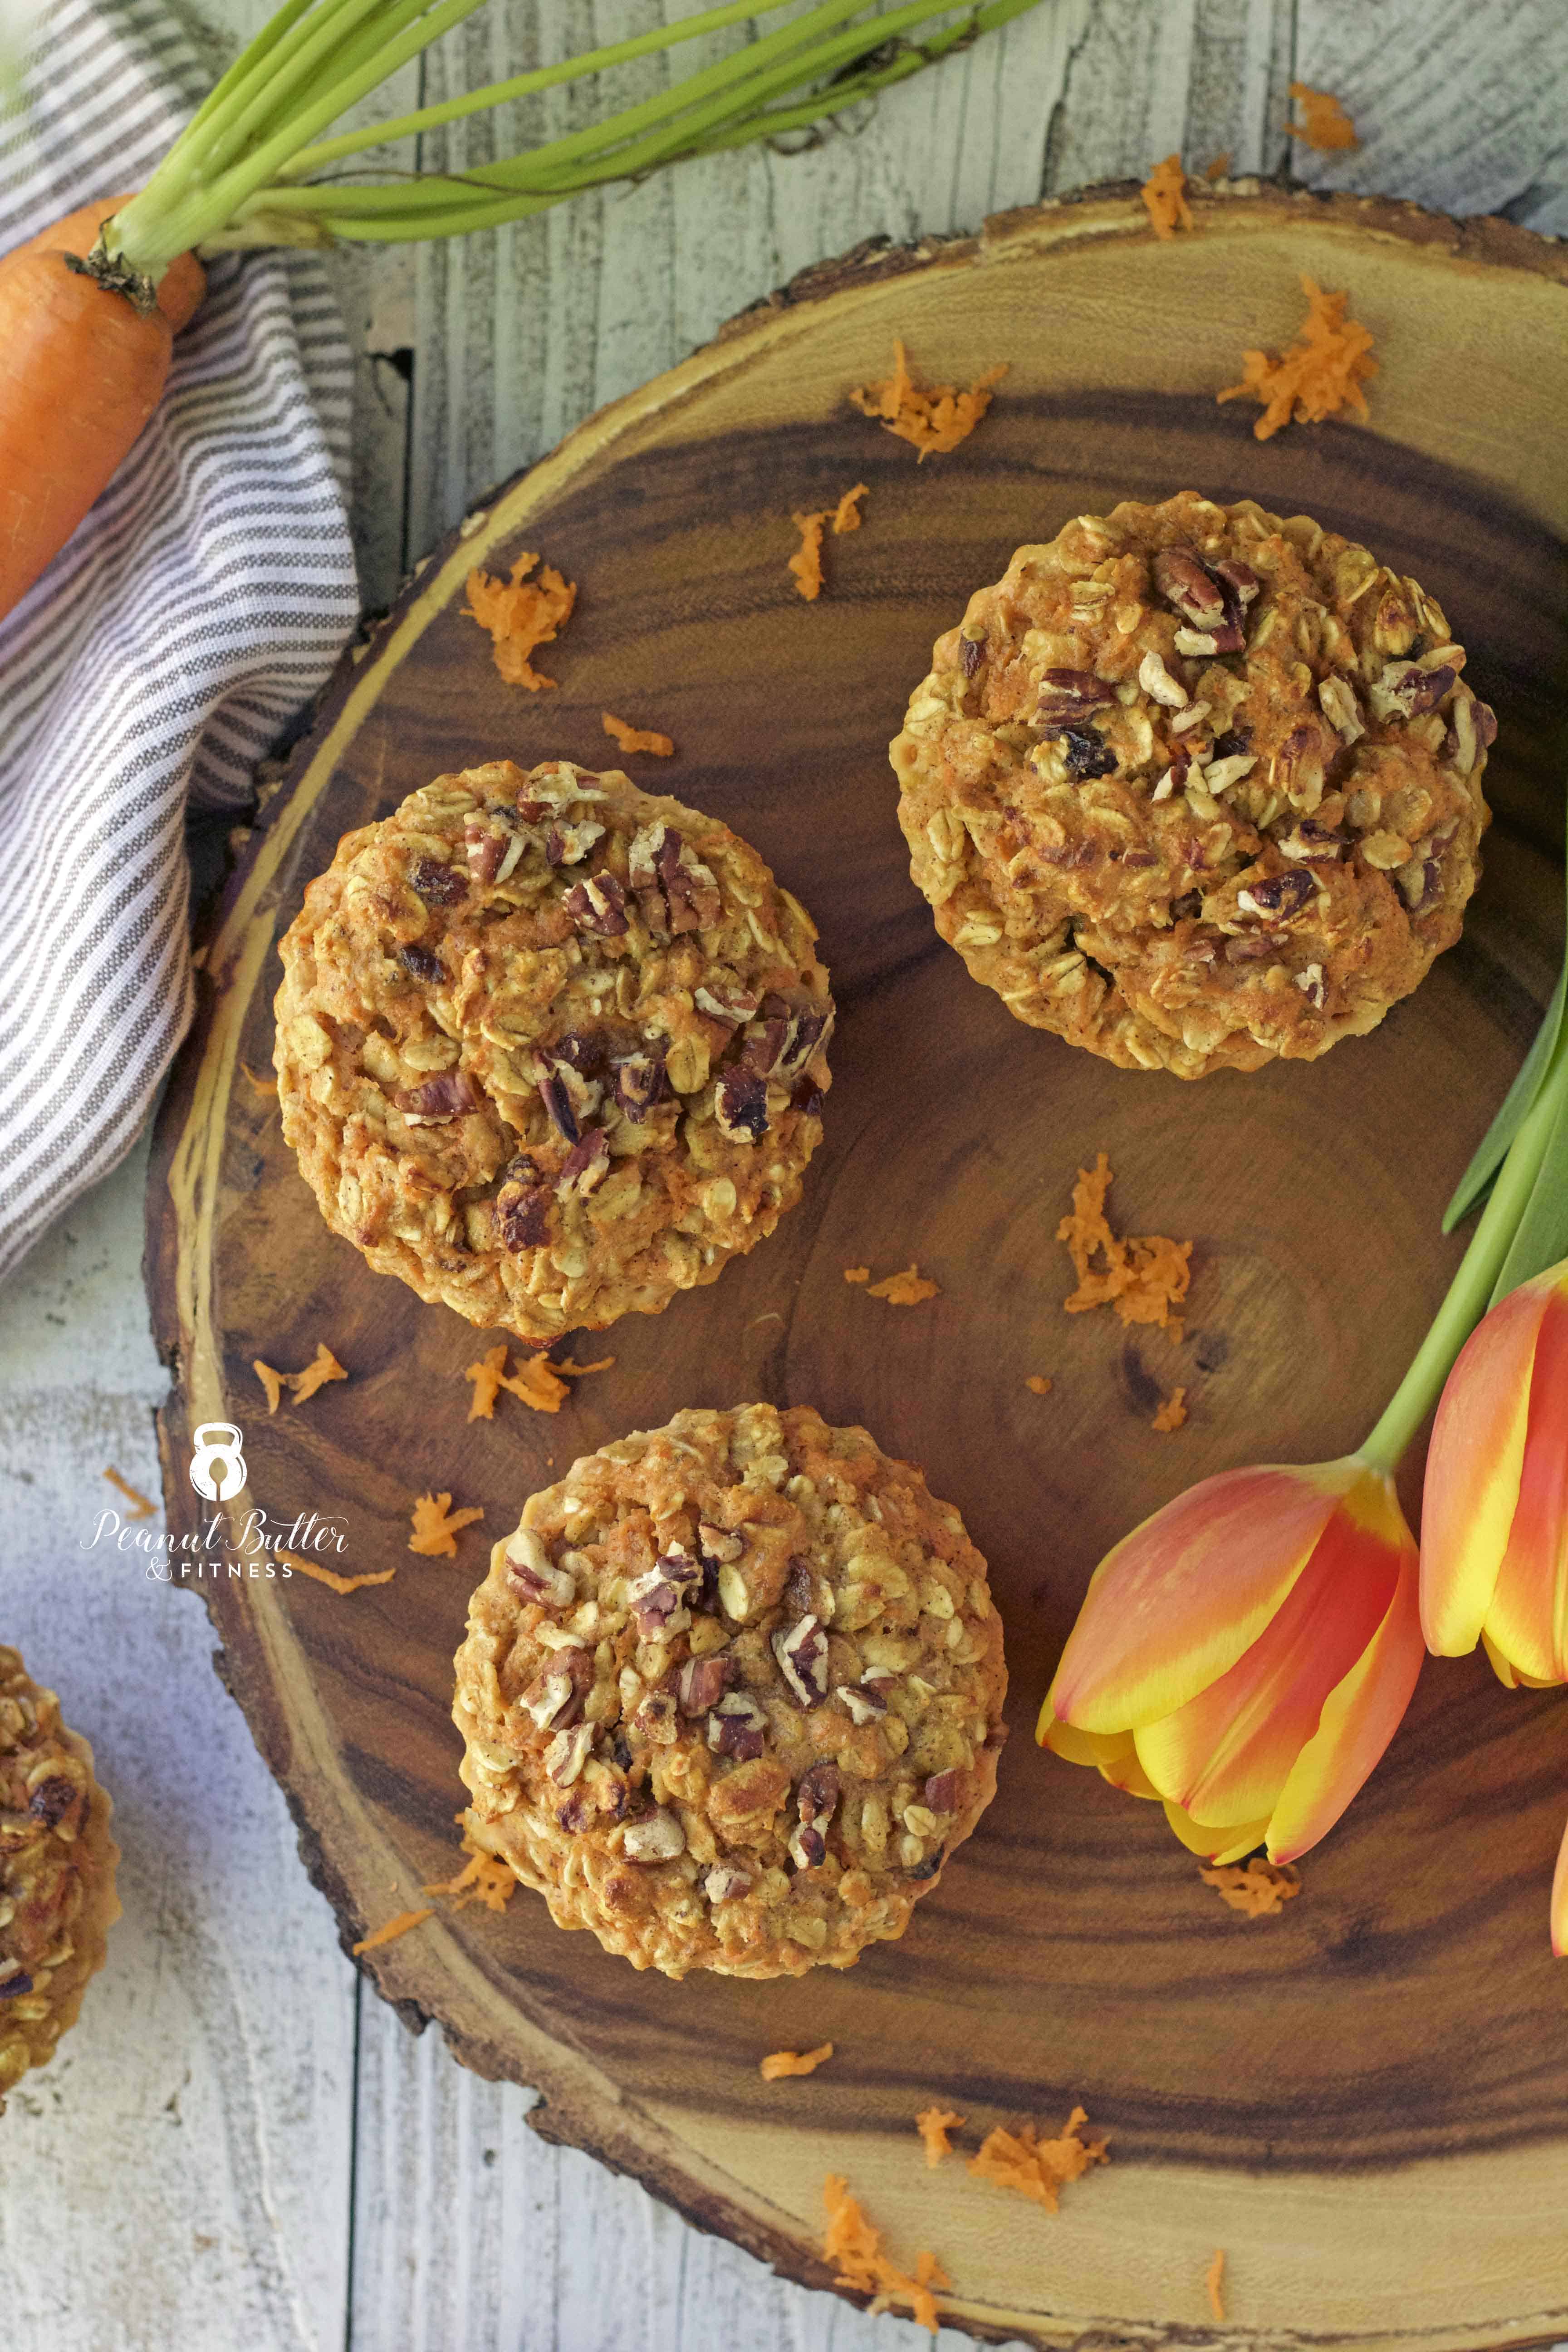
x: 1494, y: 1521
x: 1246, y: 1656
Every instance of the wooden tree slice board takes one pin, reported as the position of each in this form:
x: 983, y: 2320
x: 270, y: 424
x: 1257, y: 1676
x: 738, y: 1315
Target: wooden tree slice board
x: 1364, y: 2101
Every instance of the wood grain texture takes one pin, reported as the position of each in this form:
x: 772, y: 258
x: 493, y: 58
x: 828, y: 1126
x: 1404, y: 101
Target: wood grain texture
x: 1070, y: 1952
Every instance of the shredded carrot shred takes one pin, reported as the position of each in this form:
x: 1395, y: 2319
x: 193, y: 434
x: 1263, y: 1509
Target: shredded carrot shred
x: 1219, y: 168
x: 806, y: 561
x: 521, y: 614
x: 1040, y: 1382
x: 1213, y: 2280
x: 1323, y: 121
x: 846, y: 514
x: 934, y: 418
x: 638, y: 739
x: 330, y: 1576
x: 323, y: 1367
x: 1321, y: 373
x: 933, y: 2124
x: 484, y: 1879
x: 537, y: 1380
x: 1142, y: 1277
x: 1171, y: 1413
x: 857, y: 1273
x: 1036, y: 2168
x: 853, y: 2245
x: 780, y: 2062
x: 1165, y: 194
x: 262, y: 1086
x: 905, y: 1289
x: 436, y: 1525
x: 1257, y: 1889
x: 393, y: 1930
x: 142, y: 1506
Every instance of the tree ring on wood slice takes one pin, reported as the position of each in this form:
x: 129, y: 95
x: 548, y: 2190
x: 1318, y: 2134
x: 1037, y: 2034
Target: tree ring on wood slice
x: 1320, y: 2092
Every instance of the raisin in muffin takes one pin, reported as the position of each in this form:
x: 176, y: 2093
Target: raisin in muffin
x: 56, y: 1873
x: 550, y: 1048
x: 1195, y: 787
x: 732, y: 1694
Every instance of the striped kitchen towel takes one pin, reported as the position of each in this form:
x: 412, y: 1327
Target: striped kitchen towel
x: 202, y: 601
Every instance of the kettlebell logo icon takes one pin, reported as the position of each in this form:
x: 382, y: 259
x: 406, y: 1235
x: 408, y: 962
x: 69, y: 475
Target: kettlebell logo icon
x: 217, y: 1467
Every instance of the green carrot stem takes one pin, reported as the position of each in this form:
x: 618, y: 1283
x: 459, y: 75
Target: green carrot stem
x: 523, y: 85
x: 1470, y: 1292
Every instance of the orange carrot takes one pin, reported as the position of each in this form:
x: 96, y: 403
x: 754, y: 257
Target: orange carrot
x: 180, y: 290
x: 80, y: 374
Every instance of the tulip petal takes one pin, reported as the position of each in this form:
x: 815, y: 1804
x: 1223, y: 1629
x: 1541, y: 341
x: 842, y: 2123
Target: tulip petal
x: 1229, y: 1753
x: 1560, y: 1902
x: 1177, y: 1601
x: 1077, y: 1746
x: 1213, y: 1845
x: 1502, y: 1665
x: 1361, y: 1716
x: 1127, y: 1775
x: 1473, y: 1470
x: 1528, y: 1618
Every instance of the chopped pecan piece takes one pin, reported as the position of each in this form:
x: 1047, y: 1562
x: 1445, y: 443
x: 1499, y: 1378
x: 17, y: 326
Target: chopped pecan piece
x: 703, y: 1681
x: 1239, y: 576
x: 737, y: 1726
x: 655, y: 1837
x: 597, y: 904
x: 552, y: 1695
x: 569, y: 1098
x: 807, y: 1847
x: 1156, y: 680
x: 586, y: 1166
x: 1226, y: 639
x: 655, y: 1718
x: 524, y: 1205
x: 942, y: 1791
x: 1310, y: 982
x: 802, y: 1654
x: 437, y: 885
x: 733, y: 1009
x: 449, y: 1095
x: 487, y: 844
x: 725, y: 1884
x: 1185, y: 581
x: 1280, y: 895
x: 567, y: 1753
x: 718, y: 1544
x: 818, y: 1793
x: 864, y: 1705
x: 1405, y: 690
x: 1068, y: 696
x: 664, y: 1589
x: 568, y: 845
x: 640, y: 1082
x: 742, y: 1106
x: 535, y: 1575
x: 799, y: 1594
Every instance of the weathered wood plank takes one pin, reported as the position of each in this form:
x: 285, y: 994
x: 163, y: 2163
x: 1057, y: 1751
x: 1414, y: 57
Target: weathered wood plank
x: 472, y: 2234
x: 522, y: 335
x: 180, y: 2175
x: 1456, y: 105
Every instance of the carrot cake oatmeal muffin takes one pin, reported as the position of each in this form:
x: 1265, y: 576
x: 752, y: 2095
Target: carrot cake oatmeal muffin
x: 1194, y: 787
x: 56, y: 1873
x: 549, y: 1048
x: 732, y: 1694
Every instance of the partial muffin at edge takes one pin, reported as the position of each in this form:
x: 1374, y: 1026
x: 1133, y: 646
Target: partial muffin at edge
x: 56, y: 1873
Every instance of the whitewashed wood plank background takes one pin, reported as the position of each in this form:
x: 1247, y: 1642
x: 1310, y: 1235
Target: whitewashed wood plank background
x: 240, y: 2149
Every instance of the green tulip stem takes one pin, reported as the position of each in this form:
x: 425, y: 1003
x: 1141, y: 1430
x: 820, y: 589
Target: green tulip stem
x: 1469, y: 1293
